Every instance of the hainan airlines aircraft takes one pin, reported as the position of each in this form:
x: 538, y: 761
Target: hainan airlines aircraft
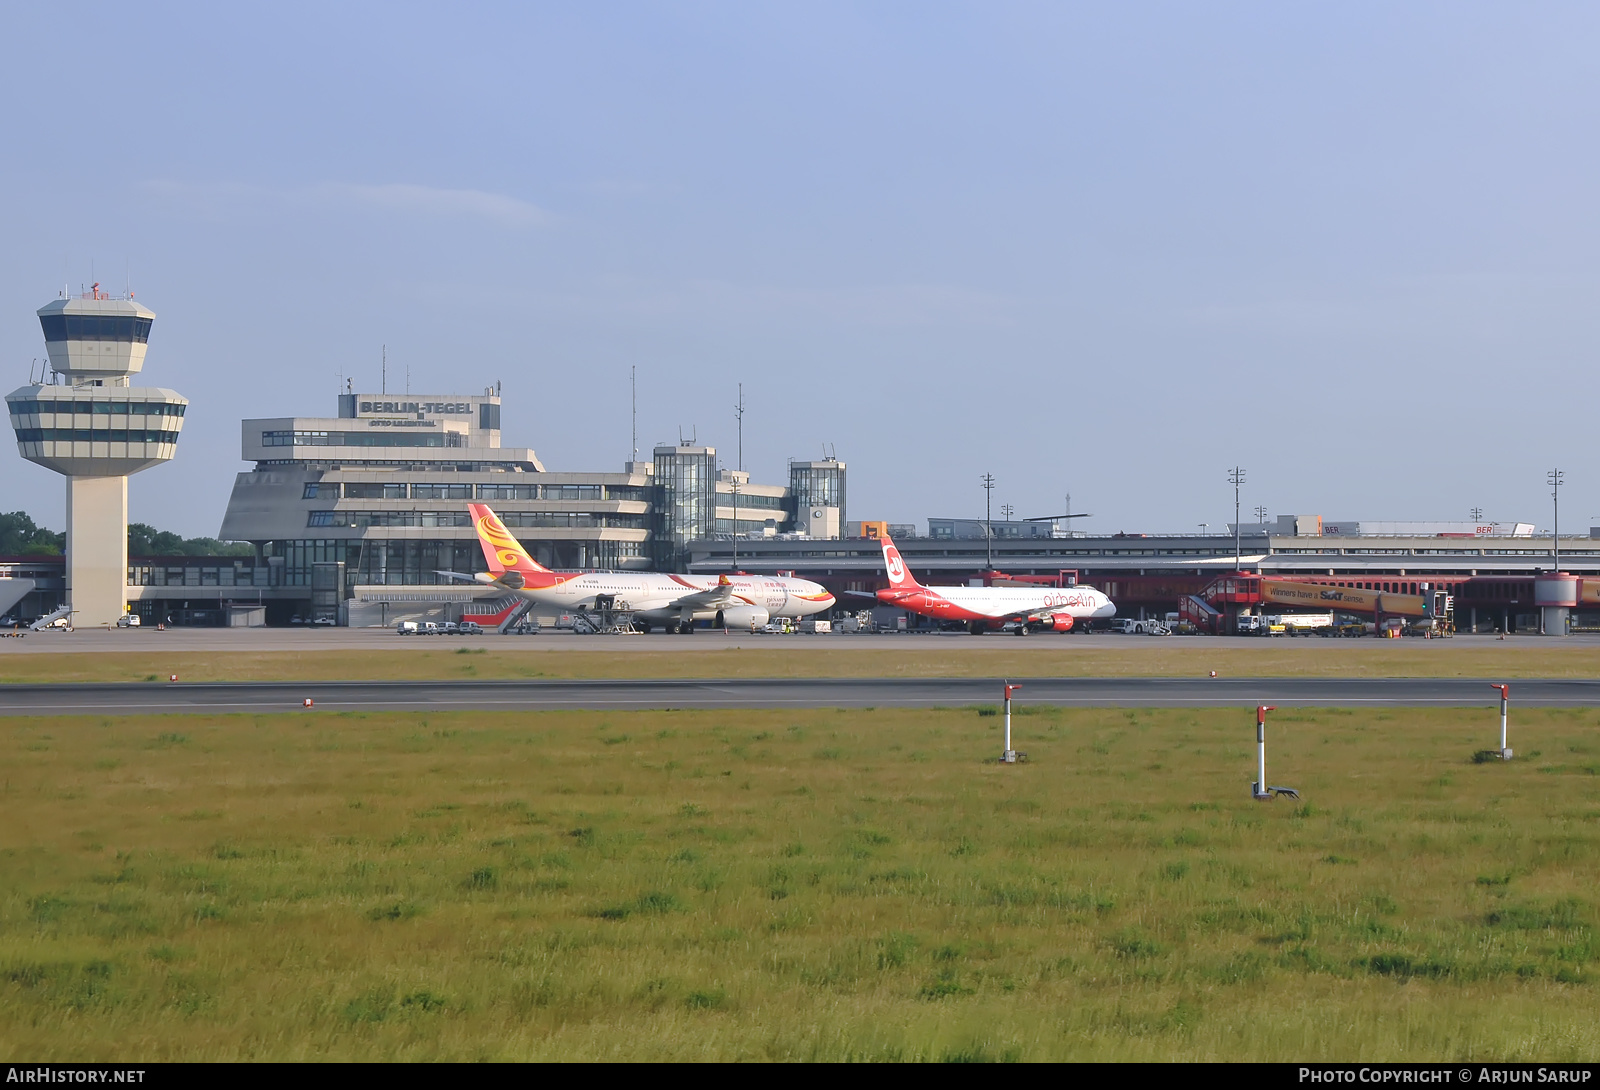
x: 1050, y: 608
x: 674, y: 602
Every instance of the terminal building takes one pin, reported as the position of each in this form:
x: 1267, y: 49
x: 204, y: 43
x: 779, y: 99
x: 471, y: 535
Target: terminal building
x: 365, y: 509
x: 1499, y: 576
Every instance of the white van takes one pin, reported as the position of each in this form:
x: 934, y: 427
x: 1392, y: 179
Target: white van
x: 406, y: 628
x: 428, y: 628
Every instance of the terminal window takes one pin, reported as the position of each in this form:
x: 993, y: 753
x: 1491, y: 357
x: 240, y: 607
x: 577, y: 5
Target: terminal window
x: 508, y: 491
x: 441, y: 491
x: 572, y: 491
x: 371, y: 490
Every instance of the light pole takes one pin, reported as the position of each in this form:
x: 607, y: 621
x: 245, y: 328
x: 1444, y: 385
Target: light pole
x: 738, y: 414
x: 988, y: 522
x: 1554, y: 477
x: 1236, y: 478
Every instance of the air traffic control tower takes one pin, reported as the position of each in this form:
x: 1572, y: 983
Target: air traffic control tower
x: 85, y: 421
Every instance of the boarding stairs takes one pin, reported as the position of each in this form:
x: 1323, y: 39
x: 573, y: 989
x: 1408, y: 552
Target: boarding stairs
x: 503, y: 614
x: 1200, y: 613
x: 50, y: 618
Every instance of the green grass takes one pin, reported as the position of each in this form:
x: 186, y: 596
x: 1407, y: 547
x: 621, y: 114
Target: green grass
x: 815, y: 884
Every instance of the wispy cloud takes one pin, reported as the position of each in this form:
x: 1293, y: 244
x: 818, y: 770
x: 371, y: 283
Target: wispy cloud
x: 884, y: 305
x: 431, y: 201
x: 216, y: 199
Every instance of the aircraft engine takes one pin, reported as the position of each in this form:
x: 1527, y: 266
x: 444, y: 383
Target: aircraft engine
x: 1061, y: 622
x: 512, y: 580
x: 744, y: 618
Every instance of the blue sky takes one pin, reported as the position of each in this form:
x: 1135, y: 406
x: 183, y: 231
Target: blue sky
x: 1109, y: 250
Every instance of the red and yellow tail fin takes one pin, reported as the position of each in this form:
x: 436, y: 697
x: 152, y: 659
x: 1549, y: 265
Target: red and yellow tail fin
x: 504, y: 553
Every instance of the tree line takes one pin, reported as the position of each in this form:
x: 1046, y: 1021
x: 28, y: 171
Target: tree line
x: 21, y: 536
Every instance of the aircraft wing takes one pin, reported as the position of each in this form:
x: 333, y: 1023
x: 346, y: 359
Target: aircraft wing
x: 458, y: 575
x: 715, y: 597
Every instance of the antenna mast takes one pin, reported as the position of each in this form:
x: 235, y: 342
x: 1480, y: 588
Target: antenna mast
x: 384, y: 379
x: 633, y: 382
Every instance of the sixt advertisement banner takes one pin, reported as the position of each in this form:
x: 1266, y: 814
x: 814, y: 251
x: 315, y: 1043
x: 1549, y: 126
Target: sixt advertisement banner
x: 1348, y: 599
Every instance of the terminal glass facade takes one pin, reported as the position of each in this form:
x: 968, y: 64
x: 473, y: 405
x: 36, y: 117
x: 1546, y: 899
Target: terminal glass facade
x: 817, y: 484
x: 685, y: 479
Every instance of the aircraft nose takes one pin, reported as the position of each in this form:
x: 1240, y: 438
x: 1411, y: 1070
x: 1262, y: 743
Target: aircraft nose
x: 1107, y: 610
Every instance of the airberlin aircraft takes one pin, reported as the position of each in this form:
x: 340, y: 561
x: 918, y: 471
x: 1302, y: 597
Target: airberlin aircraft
x: 1042, y: 608
x: 673, y: 602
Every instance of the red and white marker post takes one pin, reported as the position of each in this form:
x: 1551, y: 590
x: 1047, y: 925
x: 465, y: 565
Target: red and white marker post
x: 1505, y: 700
x: 1259, y: 790
x: 1010, y: 756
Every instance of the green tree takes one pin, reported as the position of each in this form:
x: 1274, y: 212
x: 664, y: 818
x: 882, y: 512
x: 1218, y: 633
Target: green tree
x: 20, y: 537
x: 146, y: 540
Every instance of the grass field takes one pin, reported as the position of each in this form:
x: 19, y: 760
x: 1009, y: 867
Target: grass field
x: 825, y: 657
x: 798, y: 885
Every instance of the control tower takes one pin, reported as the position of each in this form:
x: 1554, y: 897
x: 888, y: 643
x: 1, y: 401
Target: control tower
x: 85, y: 421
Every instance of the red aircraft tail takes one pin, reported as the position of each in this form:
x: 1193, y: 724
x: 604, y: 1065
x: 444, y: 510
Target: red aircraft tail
x: 900, y: 577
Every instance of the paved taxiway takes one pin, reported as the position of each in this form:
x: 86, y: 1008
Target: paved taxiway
x: 215, y: 697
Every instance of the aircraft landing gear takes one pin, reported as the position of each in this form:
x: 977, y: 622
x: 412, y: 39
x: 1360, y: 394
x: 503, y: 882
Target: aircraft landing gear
x: 644, y: 628
x: 975, y: 627
x: 1022, y: 629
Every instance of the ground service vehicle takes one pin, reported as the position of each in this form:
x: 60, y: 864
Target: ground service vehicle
x: 1130, y: 626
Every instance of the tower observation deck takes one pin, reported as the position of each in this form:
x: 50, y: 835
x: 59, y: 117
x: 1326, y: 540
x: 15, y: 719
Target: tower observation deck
x: 86, y: 421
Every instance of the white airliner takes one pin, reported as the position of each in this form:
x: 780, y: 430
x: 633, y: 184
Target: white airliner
x: 1048, y: 608
x: 674, y: 602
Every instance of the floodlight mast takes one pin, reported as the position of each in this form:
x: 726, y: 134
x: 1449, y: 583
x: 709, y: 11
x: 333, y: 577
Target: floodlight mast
x: 1236, y: 478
